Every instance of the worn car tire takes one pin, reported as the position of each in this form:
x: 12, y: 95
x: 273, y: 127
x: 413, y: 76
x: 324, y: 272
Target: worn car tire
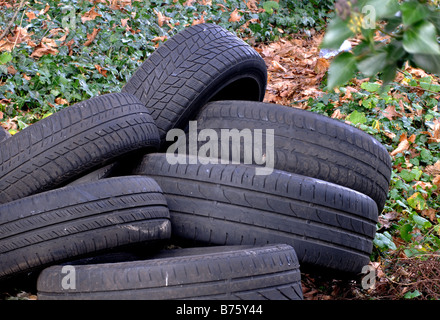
x: 89, y: 218
x: 225, y: 272
x: 329, y: 226
x: 201, y: 63
x: 308, y: 144
x: 4, y: 134
x: 73, y: 142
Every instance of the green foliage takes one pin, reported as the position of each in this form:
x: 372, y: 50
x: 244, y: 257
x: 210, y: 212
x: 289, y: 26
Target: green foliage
x: 410, y: 31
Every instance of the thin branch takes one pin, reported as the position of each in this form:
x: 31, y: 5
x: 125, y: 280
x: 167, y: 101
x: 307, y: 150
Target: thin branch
x: 12, y: 20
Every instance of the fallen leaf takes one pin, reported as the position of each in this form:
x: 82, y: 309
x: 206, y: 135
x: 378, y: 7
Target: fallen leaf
x: 252, y: 5
x: 31, y: 16
x: 321, y: 65
x: 46, y: 46
x: 188, y: 3
x: 436, y: 181
x: 434, y: 169
x: 430, y: 213
x: 337, y: 114
x: 403, y: 145
x: 12, y: 70
x: 91, y: 37
x: 199, y: 21
x: 69, y: 46
x: 45, y: 10
x: 101, y: 70
x: 235, y: 16
x: 386, y: 219
x: 124, y: 22
x: 6, y: 45
x: 26, y: 77
x: 161, y: 18
x: 162, y: 39
x: 435, y: 135
x: 278, y: 67
x: 90, y: 15
x: 61, y: 101
x: 391, y: 113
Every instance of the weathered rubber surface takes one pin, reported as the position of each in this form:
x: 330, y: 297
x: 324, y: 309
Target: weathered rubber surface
x: 227, y: 273
x: 329, y: 226
x: 201, y: 63
x: 308, y: 144
x: 89, y: 218
x: 4, y: 134
x: 98, y: 174
x: 73, y: 142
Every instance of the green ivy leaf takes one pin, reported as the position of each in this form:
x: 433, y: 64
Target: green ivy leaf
x: 337, y: 32
x: 413, y: 12
x: 405, y: 232
x: 341, y: 69
x: 411, y: 295
x: 5, y: 57
x: 269, y: 6
x: 416, y: 201
x: 370, y: 86
x: 384, y: 241
x: 424, y: 223
x: 357, y: 117
x: 373, y: 64
x: 421, y: 39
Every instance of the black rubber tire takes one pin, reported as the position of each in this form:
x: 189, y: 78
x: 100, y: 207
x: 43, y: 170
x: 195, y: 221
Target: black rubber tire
x: 309, y: 144
x: 98, y: 174
x: 227, y: 273
x: 72, y: 142
x: 4, y: 134
x: 330, y: 226
x: 89, y: 218
x: 202, y: 63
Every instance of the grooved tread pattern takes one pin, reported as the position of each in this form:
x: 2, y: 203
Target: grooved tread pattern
x: 309, y: 144
x: 72, y: 221
x: 232, y: 273
x: 228, y: 204
x: 73, y: 141
x: 189, y: 69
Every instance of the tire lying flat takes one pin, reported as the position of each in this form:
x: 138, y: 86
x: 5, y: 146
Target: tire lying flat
x: 227, y: 272
x: 201, y: 63
x: 228, y: 204
x: 309, y: 144
x: 89, y: 218
x: 72, y: 142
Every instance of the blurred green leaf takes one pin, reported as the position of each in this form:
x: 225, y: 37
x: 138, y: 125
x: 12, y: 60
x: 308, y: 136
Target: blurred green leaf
x: 421, y: 39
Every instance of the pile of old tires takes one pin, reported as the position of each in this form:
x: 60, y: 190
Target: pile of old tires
x: 96, y: 178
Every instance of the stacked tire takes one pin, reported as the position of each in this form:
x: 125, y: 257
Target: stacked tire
x: 97, y: 177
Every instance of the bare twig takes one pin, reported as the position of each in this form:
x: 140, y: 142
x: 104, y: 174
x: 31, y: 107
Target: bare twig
x: 12, y: 20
